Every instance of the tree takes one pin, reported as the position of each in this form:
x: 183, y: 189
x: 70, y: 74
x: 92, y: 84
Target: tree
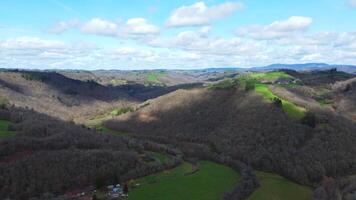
x: 277, y: 102
x: 309, y: 119
x: 250, y: 85
x: 126, y: 188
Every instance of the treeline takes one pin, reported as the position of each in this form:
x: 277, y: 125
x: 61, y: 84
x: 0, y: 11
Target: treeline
x: 336, y: 189
x: 241, y: 125
x: 48, y: 155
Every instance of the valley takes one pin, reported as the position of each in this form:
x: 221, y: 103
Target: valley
x: 177, y: 100
x: 241, y: 135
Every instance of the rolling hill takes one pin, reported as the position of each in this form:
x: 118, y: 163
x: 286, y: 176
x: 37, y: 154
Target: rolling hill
x: 241, y: 124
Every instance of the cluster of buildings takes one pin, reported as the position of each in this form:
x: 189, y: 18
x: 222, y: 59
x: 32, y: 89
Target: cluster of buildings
x: 116, y: 191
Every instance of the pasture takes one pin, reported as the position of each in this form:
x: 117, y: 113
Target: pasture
x: 278, y: 188
x: 210, y: 182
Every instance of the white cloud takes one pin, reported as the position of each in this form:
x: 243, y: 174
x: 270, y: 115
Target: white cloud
x: 187, y: 49
x: 140, y: 26
x: 200, y: 42
x: 98, y: 26
x: 277, y: 29
x: 31, y: 43
x: 63, y: 26
x: 352, y: 3
x: 134, y: 27
x: 125, y: 51
x: 200, y: 14
x: 34, y: 52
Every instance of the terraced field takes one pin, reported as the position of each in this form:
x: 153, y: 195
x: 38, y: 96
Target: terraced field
x: 210, y: 182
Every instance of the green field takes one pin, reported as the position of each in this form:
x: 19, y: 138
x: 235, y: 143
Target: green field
x: 270, y: 75
x: 162, y: 158
x: 209, y: 183
x: 290, y: 108
x: 4, y: 132
x: 275, y: 187
x: 98, y: 120
x: 153, y: 77
x: 104, y: 130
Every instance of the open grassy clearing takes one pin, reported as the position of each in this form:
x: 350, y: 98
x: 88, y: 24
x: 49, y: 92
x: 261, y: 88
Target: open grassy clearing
x: 270, y: 75
x: 97, y: 120
x: 162, y: 158
x: 209, y: 183
x: 275, y: 187
x: 153, y: 77
x: 105, y: 130
x: 4, y: 126
x: 290, y: 108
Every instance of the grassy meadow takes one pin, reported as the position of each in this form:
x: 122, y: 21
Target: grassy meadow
x: 275, y: 187
x: 153, y: 77
x: 162, y: 158
x: 210, y: 182
x: 270, y: 75
x: 290, y: 108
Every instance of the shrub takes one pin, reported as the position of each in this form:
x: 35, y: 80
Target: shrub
x: 250, y: 84
x: 309, y: 119
x: 277, y: 102
x: 121, y: 111
x: 224, y: 85
x: 3, y: 103
x: 30, y: 76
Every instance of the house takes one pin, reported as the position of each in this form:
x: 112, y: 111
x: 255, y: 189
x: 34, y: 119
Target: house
x: 115, y: 191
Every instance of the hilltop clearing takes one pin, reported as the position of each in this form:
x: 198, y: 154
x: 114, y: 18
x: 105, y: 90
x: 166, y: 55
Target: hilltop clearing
x: 228, y: 119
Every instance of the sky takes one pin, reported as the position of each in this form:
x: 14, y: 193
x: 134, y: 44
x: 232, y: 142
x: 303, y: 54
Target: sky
x: 181, y: 34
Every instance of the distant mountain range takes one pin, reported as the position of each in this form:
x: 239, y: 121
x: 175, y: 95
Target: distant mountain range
x: 308, y: 66
x: 298, y: 67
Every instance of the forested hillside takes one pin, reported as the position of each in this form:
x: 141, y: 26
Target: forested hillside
x: 233, y: 120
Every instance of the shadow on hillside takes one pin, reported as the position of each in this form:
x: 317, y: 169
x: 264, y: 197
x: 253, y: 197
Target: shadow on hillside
x: 94, y: 90
x: 249, y: 129
x: 10, y: 86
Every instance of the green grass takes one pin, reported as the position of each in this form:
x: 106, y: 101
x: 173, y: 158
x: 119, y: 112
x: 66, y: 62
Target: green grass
x: 209, y: 183
x: 98, y: 120
x: 162, y: 158
x: 153, y: 77
x: 118, y: 82
x: 275, y: 187
x: 270, y: 75
x: 290, y: 108
x: 105, y: 130
x: 120, y: 111
x: 4, y: 126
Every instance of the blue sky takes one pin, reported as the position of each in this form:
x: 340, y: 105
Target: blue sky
x: 143, y: 34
